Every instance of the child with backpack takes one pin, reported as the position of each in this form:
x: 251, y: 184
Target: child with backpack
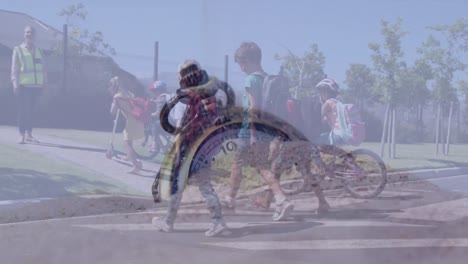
x: 198, y: 92
x: 134, y: 128
x: 159, y: 96
x: 270, y: 93
x: 328, y: 90
x: 344, y: 121
x: 249, y: 151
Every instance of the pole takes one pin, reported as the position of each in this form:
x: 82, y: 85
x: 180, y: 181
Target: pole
x: 156, y: 60
x: 226, y: 68
x: 65, y: 57
x: 437, y: 129
x: 449, y: 129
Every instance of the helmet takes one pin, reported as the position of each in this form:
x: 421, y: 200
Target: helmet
x: 157, y: 86
x: 328, y: 84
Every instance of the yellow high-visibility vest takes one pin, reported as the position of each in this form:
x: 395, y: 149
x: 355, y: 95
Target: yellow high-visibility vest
x: 30, y: 67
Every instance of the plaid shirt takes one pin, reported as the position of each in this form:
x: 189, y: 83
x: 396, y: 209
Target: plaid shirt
x: 201, y: 114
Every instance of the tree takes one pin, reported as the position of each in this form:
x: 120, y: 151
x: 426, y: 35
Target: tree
x: 304, y: 72
x: 444, y: 59
x: 456, y: 34
x: 80, y: 47
x: 75, y: 16
x: 388, y: 64
x: 360, y: 81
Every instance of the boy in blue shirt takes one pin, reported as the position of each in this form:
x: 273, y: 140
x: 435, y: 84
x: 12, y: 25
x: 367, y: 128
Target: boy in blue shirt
x: 250, y: 151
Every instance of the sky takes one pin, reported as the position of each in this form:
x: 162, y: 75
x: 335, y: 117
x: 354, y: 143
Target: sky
x: 207, y: 30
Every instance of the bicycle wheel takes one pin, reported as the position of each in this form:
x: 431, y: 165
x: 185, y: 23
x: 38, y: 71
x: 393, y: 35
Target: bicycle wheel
x: 362, y: 173
x: 148, y: 150
x: 145, y: 152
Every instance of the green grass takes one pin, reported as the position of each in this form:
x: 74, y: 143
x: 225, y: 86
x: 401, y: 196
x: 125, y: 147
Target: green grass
x: 421, y: 156
x: 409, y: 156
x: 24, y: 174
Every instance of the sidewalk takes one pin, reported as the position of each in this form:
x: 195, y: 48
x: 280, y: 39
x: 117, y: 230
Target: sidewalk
x: 93, y: 158
x: 89, y: 157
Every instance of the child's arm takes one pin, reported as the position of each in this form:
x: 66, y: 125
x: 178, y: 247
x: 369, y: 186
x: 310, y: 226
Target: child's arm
x: 325, y: 110
x: 252, y: 106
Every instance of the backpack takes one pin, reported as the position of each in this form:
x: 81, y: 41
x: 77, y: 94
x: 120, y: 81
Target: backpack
x: 141, y: 109
x: 350, y: 119
x: 277, y: 100
x: 275, y: 95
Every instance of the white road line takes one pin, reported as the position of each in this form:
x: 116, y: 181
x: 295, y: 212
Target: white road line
x: 443, y: 211
x: 344, y: 244
x: 237, y: 225
x: 417, y: 190
x: 23, y: 201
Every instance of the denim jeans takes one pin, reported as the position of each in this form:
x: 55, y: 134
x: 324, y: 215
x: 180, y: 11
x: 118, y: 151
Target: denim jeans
x: 203, y: 179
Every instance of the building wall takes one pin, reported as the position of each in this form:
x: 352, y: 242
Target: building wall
x: 83, y: 104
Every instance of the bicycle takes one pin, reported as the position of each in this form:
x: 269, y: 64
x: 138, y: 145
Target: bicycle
x: 157, y: 146
x: 361, y: 172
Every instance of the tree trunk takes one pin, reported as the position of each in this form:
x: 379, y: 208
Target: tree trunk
x: 361, y: 107
x: 458, y: 124
x: 420, y: 123
x: 437, y: 130
x: 442, y: 133
x: 384, y: 132
x: 449, y: 128
x: 389, y: 133
x: 393, y: 133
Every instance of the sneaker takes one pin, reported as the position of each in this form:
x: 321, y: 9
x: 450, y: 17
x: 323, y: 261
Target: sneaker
x: 228, y: 202
x: 22, y: 140
x: 30, y: 138
x: 262, y: 200
x: 216, y: 228
x: 137, y: 167
x: 161, y: 225
x: 283, y: 210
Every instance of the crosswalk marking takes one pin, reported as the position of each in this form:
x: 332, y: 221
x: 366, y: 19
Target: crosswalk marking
x: 443, y: 211
x: 238, y: 225
x: 344, y: 244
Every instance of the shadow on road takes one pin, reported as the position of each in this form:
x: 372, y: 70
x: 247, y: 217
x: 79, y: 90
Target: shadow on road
x: 99, y: 150
x: 16, y: 184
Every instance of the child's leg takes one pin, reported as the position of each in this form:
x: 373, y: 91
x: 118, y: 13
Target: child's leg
x: 166, y: 224
x: 240, y: 154
x: 235, y: 180
x: 155, y: 136
x: 146, y: 135
x: 303, y: 158
x: 208, y: 192
x: 265, y: 199
x: 283, y: 205
x: 203, y: 180
x: 131, y: 154
x: 173, y: 207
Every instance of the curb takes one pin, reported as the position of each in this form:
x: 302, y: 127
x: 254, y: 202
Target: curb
x: 426, y: 174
